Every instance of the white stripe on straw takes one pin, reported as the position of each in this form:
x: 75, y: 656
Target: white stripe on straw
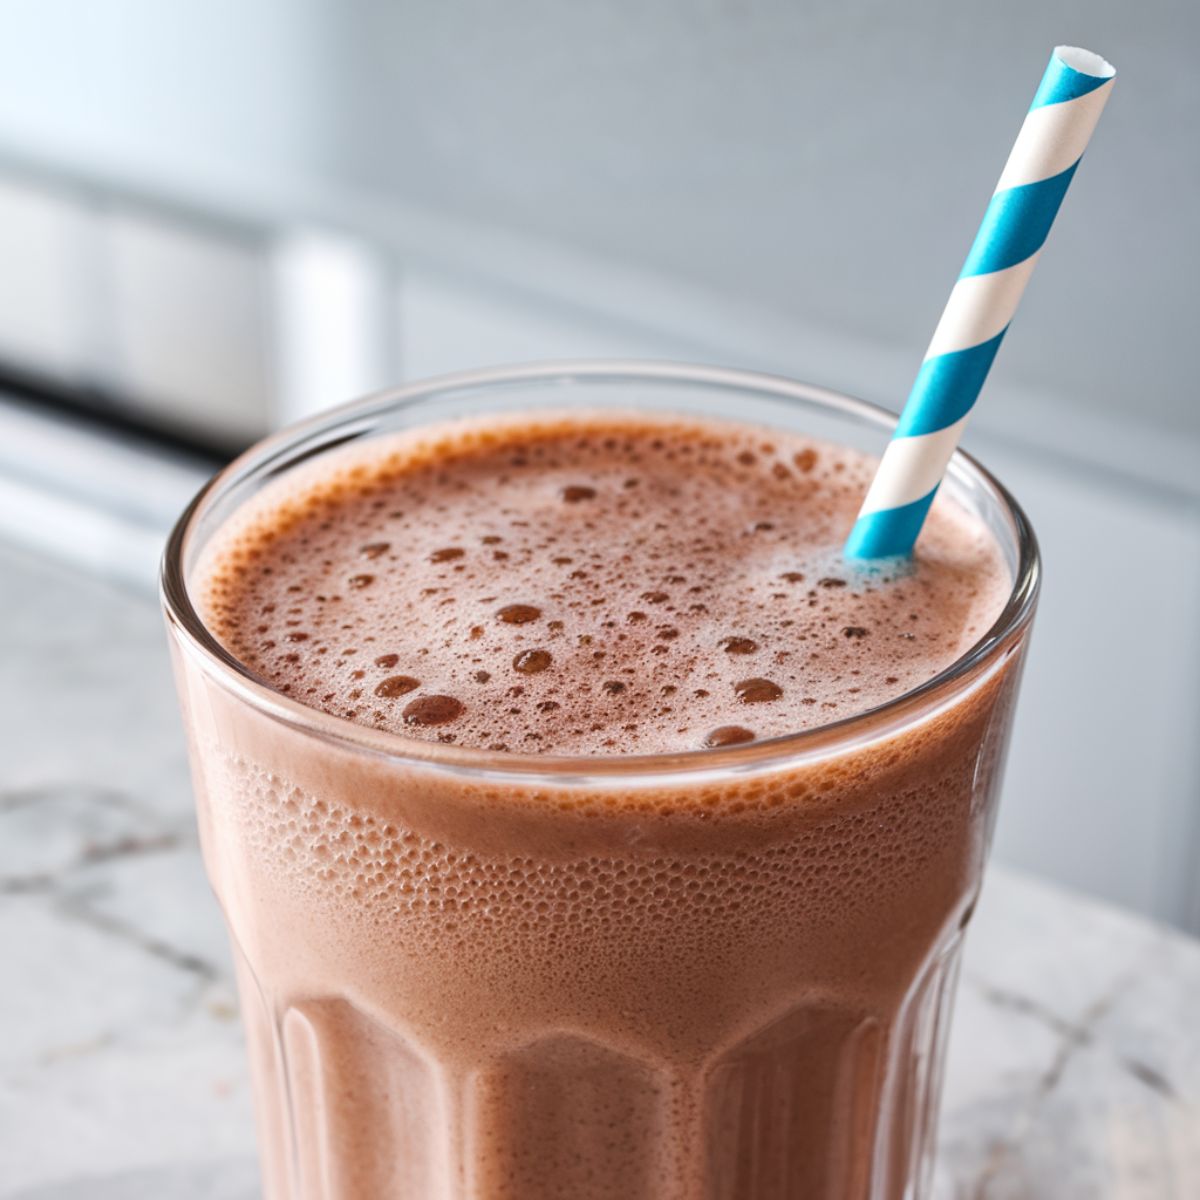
x: 980, y: 307
x: 1040, y: 167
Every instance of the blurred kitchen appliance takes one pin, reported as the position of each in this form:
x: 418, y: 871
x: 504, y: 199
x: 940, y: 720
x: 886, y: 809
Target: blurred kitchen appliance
x: 200, y: 326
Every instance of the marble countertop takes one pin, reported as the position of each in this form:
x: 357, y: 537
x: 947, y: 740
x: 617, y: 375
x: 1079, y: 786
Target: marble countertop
x: 1074, y: 1069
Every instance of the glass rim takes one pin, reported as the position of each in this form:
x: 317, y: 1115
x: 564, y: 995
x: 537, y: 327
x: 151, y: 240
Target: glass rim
x: 819, y: 742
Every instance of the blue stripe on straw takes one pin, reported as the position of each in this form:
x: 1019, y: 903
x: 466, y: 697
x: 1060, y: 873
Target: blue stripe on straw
x: 1016, y: 224
x: 946, y: 387
x: 1062, y: 82
x: 889, y: 532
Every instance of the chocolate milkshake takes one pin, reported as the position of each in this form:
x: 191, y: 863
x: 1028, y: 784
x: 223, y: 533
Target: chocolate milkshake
x: 584, y: 825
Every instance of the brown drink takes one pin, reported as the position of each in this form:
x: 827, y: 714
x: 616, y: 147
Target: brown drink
x: 714, y: 972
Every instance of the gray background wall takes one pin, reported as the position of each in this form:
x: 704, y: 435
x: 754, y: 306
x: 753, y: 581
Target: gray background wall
x: 824, y: 161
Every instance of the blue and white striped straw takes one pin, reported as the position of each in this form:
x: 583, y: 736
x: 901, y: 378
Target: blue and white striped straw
x: 981, y: 306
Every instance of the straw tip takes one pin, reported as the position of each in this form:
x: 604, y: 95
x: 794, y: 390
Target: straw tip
x: 1085, y: 62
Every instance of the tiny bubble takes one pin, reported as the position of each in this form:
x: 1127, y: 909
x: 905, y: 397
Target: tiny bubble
x: 397, y: 685
x: 532, y: 662
x: 432, y: 710
x: 757, y: 691
x: 728, y: 735
x: 519, y: 614
x: 738, y: 645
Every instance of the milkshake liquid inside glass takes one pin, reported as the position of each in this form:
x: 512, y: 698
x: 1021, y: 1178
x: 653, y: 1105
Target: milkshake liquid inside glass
x: 584, y: 825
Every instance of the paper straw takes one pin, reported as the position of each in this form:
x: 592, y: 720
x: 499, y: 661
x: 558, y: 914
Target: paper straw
x: 981, y: 306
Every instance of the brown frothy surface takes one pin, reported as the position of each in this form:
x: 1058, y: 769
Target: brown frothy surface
x: 590, y: 584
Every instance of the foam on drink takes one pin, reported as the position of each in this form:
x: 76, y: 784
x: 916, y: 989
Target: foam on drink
x: 591, y: 584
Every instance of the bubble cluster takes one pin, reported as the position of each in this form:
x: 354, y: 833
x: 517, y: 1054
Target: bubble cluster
x: 589, y: 585
x: 779, y: 852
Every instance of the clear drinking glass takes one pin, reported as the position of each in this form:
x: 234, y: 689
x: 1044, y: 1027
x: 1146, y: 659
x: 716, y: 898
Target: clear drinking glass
x: 723, y: 974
